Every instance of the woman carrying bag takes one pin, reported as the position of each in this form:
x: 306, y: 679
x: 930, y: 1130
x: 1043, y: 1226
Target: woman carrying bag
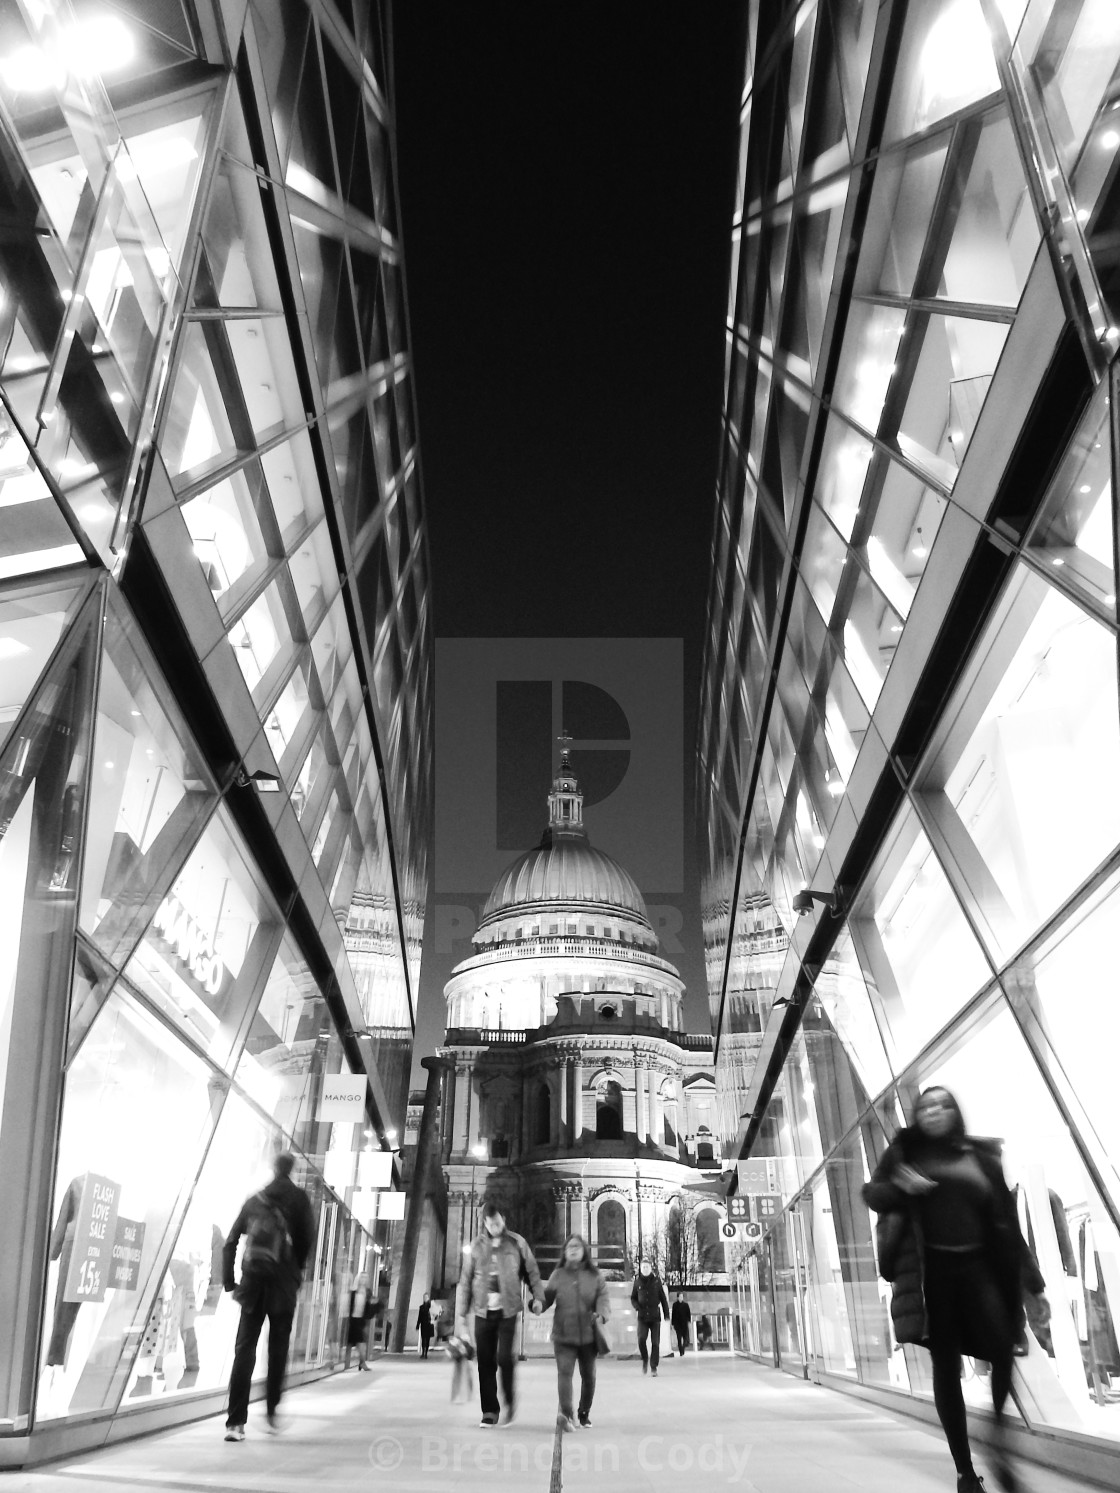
x: 948, y: 1239
x: 582, y: 1306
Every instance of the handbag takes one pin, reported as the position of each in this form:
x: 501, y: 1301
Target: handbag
x: 603, y: 1345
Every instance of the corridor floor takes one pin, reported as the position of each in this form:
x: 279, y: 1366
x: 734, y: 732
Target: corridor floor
x: 713, y: 1421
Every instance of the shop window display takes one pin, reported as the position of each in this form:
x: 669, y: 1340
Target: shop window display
x: 32, y: 619
x: 138, y: 1108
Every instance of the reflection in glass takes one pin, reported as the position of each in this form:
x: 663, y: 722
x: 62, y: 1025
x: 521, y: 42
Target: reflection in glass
x: 226, y: 535
x: 919, y: 957
x: 945, y: 63
x: 1074, y: 531
x: 1026, y: 792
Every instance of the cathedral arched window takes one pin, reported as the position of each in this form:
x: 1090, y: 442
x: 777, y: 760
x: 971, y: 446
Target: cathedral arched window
x: 542, y: 1127
x: 608, y: 1112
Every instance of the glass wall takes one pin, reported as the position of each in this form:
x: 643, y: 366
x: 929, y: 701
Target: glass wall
x: 910, y: 703
x: 215, y: 731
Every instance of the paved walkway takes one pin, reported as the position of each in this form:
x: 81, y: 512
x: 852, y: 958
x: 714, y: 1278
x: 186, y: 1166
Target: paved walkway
x: 714, y: 1421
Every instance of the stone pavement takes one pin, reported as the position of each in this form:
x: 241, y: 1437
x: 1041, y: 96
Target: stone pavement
x: 712, y: 1420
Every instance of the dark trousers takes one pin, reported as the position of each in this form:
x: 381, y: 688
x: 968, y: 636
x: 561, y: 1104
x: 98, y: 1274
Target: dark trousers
x: 652, y: 1330
x: 257, y: 1304
x: 425, y: 1343
x: 965, y: 1304
x: 567, y: 1356
x: 682, y: 1339
x: 493, y: 1342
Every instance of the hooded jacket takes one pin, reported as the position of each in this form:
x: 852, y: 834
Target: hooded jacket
x: 648, y: 1298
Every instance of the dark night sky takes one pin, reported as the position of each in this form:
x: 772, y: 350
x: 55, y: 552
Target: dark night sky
x: 566, y: 185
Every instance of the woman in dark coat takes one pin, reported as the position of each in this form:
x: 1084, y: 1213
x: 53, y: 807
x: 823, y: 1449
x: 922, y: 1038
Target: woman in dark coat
x: 958, y: 1262
x: 580, y: 1294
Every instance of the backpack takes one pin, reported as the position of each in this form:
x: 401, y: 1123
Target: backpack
x: 268, y: 1241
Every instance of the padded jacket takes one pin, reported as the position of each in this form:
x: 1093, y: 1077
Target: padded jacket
x: 648, y: 1298
x: 577, y: 1293
x: 1012, y: 1263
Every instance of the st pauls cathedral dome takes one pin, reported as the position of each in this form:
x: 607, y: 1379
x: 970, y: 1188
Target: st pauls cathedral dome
x: 565, y: 867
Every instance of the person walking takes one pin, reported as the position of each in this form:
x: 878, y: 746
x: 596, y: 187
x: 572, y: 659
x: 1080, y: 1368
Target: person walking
x: 951, y: 1245
x: 279, y: 1230
x: 680, y: 1318
x: 649, y: 1300
x: 361, y: 1309
x: 424, y: 1325
x: 580, y: 1295
x: 489, y: 1292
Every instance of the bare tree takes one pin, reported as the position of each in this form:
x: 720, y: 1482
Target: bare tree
x: 679, y: 1253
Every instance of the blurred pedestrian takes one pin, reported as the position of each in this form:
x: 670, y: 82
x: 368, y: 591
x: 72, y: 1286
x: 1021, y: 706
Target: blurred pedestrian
x: 279, y: 1229
x: 680, y: 1318
x: 580, y: 1294
x: 424, y: 1325
x: 649, y: 1300
x: 952, y: 1247
x: 489, y: 1296
x: 360, y: 1310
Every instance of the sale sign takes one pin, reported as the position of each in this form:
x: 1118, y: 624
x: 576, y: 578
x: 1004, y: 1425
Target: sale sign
x: 128, y: 1245
x: 95, y: 1233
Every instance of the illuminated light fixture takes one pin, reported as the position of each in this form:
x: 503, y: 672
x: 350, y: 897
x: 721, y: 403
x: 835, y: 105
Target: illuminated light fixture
x: 1057, y: 560
x: 896, y: 627
x: 135, y: 713
x: 100, y: 46
x: 919, y: 550
x: 1111, y: 598
x: 1082, y: 214
x: 1084, y: 488
x: 117, y: 397
x: 1110, y: 140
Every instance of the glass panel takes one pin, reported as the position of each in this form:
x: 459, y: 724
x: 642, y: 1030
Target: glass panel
x: 31, y: 623
x: 950, y: 384
x: 945, y: 64
x: 1026, y: 790
x: 150, y: 794
x: 867, y: 362
x: 1072, y: 53
x: 293, y: 486
x: 1066, y: 1378
x: 260, y: 635
x: 166, y: 161
x: 331, y: 647
x: 1074, y: 531
x: 203, y: 958
x: 226, y: 536
x: 292, y: 1019
x: 262, y: 351
x: 289, y: 715
x: 919, y: 957
x: 197, y: 430
x: 307, y: 787
x: 314, y: 575
x: 841, y: 1002
x: 855, y: 32
x: 995, y: 236
x: 137, y: 1109
x: 238, y: 269
x: 310, y: 165
x: 320, y: 271
x: 902, y: 202
x: 1059, y: 996
x: 33, y: 534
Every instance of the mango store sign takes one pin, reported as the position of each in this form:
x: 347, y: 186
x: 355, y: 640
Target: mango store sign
x: 343, y: 1098
x: 184, y: 938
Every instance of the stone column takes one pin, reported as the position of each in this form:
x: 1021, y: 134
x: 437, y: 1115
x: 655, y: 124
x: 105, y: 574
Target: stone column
x: 426, y: 1159
x: 462, y: 1099
x: 555, y: 1133
x: 562, y: 1104
x: 577, y: 1101
x: 656, y: 1123
x: 474, y: 1100
x: 641, y: 1102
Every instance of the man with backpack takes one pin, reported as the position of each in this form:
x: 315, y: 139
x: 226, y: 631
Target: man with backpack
x: 279, y: 1230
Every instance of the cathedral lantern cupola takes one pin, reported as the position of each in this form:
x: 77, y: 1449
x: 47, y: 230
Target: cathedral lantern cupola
x: 565, y: 802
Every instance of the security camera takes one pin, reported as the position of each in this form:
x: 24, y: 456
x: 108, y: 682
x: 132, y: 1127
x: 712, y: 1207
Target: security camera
x: 804, y: 899
x: 803, y: 903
